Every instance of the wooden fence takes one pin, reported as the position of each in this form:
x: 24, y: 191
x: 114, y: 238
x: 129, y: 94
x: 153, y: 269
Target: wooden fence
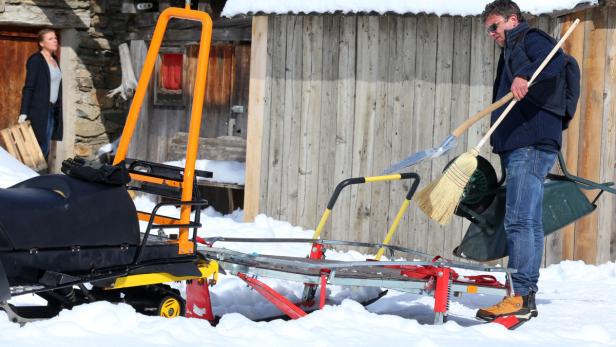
x: 336, y: 96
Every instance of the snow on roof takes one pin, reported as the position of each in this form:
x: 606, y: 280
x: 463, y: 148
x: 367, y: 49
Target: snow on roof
x: 438, y: 7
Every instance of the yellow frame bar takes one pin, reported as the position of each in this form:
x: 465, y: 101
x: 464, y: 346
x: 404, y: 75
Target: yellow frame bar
x: 394, y: 226
x: 206, y: 270
x: 185, y: 246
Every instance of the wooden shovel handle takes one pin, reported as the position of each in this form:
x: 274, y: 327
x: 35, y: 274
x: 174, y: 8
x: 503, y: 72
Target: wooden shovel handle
x: 477, y: 116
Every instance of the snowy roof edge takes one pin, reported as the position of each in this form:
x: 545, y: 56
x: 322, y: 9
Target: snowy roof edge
x: 231, y: 12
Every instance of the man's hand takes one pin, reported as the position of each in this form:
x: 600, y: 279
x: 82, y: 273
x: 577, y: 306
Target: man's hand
x: 22, y: 118
x: 519, y: 88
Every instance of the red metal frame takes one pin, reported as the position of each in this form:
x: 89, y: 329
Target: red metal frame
x: 323, y: 292
x: 283, y: 304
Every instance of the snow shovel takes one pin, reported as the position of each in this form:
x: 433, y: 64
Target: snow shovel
x: 450, y: 141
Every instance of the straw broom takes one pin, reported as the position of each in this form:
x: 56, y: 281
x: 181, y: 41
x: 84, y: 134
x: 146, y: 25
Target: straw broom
x: 439, y: 199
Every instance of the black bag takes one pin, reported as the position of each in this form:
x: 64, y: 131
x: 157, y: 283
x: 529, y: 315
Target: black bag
x: 97, y: 172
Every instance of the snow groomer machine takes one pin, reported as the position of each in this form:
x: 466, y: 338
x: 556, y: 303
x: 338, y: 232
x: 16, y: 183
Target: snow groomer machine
x: 76, y: 238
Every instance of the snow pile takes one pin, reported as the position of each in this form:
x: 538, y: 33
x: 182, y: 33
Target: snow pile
x: 575, y: 303
x: 438, y: 7
x: 575, y: 306
x: 12, y: 171
x: 224, y: 171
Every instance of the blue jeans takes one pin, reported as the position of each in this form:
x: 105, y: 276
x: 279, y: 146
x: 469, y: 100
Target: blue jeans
x: 526, y: 168
x: 50, y: 125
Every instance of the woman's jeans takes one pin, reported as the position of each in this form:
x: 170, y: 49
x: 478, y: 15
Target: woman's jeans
x: 526, y: 168
x: 50, y: 125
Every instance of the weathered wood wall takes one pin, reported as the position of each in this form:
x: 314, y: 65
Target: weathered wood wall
x: 226, y: 86
x: 345, y: 96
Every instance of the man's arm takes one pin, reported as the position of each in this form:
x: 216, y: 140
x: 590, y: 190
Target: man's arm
x: 538, y: 47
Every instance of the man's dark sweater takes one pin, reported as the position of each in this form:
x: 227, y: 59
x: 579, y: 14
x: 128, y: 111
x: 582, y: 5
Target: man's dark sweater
x: 537, y: 119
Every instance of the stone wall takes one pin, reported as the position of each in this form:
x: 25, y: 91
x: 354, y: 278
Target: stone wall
x: 93, y: 69
x: 99, y: 119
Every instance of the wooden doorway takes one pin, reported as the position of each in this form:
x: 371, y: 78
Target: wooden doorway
x: 17, y: 43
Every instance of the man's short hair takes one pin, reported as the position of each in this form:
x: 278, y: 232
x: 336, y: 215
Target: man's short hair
x: 503, y: 8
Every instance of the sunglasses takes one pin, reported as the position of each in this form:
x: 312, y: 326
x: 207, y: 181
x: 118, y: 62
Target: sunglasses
x: 492, y: 28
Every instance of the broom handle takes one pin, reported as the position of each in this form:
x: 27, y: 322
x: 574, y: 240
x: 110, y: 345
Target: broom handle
x: 477, y: 116
x: 513, y: 102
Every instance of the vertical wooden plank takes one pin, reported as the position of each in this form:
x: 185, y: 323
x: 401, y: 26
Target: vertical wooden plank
x: 292, y: 112
x: 329, y: 102
x: 382, y: 138
x: 276, y: 116
x: 423, y: 115
x: 575, y: 47
x: 140, y: 141
x: 482, y: 75
x: 312, y: 70
x: 607, y: 204
x: 365, y: 103
x: 437, y: 236
x: 589, y: 161
x: 553, y: 247
x: 402, y: 76
x: 458, y: 111
x: 482, y: 80
x: 256, y: 117
x: 345, y: 120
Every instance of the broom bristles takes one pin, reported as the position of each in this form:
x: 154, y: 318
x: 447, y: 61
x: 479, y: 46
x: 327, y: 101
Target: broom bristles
x: 439, y: 199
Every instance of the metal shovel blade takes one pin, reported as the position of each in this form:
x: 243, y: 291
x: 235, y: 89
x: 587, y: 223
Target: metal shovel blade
x: 414, y: 159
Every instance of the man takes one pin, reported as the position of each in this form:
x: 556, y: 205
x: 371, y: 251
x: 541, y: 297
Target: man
x: 528, y: 141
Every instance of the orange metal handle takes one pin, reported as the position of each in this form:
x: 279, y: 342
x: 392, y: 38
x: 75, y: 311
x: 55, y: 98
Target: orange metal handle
x: 185, y: 246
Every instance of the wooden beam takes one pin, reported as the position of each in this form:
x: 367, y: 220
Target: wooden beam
x: 256, y: 113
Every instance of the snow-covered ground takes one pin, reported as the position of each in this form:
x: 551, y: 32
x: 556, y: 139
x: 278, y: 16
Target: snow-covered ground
x: 575, y: 302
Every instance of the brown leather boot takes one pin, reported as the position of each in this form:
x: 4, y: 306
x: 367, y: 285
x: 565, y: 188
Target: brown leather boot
x: 510, y: 305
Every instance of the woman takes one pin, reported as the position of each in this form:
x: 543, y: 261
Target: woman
x: 41, y: 99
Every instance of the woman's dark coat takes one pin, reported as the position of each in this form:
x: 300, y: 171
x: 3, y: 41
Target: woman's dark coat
x: 35, y: 98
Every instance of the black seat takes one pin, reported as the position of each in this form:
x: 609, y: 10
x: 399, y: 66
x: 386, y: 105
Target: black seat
x: 60, y: 211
